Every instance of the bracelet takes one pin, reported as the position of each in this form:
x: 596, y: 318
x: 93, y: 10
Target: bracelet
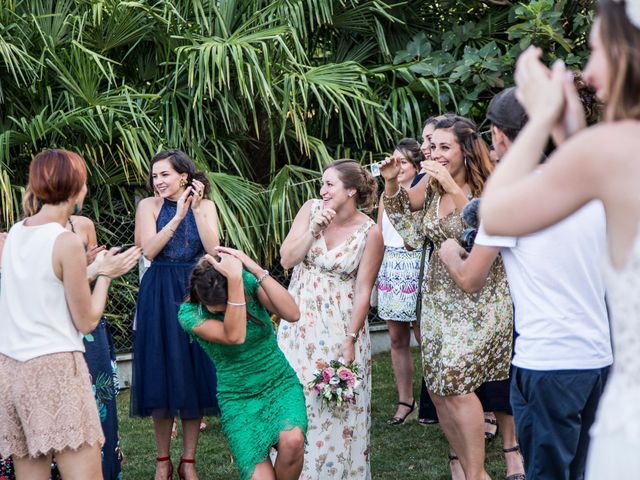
x: 103, y: 275
x: 232, y: 304
x: 353, y: 336
x: 264, y: 275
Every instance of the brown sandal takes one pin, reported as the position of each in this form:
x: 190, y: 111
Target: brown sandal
x: 515, y: 476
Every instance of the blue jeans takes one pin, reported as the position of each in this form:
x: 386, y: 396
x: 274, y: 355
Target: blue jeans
x: 553, y: 411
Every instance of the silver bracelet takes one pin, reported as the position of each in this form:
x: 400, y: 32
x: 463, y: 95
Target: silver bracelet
x: 263, y: 276
x: 232, y: 304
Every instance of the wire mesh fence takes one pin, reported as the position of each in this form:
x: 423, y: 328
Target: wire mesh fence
x: 117, y: 228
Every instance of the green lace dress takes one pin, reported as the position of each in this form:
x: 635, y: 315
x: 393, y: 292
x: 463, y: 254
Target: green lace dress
x: 258, y: 391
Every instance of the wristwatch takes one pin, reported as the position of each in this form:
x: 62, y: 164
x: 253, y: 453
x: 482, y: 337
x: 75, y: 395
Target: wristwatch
x: 353, y: 336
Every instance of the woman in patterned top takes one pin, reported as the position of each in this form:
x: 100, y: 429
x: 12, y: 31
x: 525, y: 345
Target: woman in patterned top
x: 466, y: 338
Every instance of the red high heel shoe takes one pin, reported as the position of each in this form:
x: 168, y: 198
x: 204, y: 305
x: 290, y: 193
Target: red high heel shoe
x: 184, y: 460
x: 167, y: 459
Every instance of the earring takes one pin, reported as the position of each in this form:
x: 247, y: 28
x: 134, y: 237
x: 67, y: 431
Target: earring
x: 76, y: 209
x: 183, y: 182
x: 466, y: 165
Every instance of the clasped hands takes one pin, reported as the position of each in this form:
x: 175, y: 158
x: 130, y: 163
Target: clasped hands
x: 549, y: 95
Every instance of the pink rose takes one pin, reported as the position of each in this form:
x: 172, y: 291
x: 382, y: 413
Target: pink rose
x: 327, y: 373
x: 345, y: 373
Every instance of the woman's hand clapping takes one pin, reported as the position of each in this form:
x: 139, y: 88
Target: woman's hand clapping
x: 114, y: 264
x: 93, y: 251
x: 540, y: 90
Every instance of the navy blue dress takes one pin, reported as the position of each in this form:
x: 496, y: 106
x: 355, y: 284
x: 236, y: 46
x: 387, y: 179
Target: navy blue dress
x: 172, y: 377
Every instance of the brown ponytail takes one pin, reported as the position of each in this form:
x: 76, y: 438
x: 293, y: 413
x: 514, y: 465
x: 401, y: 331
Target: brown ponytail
x: 353, y: 175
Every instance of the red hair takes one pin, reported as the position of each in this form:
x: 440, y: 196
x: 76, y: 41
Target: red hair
x: 56, y: 175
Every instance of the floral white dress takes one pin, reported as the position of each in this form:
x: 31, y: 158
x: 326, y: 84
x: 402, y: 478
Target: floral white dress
x: 323, y: 286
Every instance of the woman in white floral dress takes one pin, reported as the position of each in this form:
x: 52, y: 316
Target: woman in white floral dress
x: 336, y: 251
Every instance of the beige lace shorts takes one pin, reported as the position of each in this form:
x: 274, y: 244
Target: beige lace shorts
x: 46, y: 405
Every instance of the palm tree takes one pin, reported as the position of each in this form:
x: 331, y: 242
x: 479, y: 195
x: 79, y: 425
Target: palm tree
x: 260, y: 93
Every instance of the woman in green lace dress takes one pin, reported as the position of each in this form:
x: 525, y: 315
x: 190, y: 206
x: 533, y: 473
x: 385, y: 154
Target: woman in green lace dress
x: 261, y: 400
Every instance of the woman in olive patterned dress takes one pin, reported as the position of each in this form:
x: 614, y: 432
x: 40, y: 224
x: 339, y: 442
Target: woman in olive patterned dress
x: 466, y: 338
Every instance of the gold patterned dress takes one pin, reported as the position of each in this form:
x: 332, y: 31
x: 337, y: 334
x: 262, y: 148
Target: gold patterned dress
x: 323, y: 286
x: 466, y: 337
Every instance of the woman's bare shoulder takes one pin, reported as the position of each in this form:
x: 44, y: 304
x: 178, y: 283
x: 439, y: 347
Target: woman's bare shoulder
x: 150, y: 204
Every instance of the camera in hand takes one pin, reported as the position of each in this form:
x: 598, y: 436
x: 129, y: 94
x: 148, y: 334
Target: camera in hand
x: 470, y: 219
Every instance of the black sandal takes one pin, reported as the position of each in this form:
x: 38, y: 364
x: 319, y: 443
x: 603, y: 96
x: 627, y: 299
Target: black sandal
x: 489, y: 436
x: 515, y: 476
x: 401, y: 420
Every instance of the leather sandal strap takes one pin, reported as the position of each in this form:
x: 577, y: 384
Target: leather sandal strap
x: 187, y: 460
x: 516, y: 476
x: 163, y: 459
x: 409, y: 405
x: 490, y: 420
x: 452, y: 457
x: 512, y: 449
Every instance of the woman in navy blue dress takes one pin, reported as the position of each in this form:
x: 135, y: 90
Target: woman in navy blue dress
x: 171, y: 376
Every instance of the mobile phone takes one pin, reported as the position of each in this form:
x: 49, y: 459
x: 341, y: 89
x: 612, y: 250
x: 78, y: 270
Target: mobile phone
x: 126, y: 246
x: 375, y: 169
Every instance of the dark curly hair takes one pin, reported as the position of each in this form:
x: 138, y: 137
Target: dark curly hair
x: 181, y: 163
x: 207, y: 286
x: 592, y: 106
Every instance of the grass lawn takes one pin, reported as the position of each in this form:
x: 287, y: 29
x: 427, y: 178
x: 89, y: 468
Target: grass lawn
x: 404, y: 452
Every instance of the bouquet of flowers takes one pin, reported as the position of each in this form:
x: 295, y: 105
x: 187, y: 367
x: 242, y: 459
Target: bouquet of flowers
x: 335, y: 383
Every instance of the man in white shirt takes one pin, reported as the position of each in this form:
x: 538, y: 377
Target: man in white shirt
x: 563, y: 348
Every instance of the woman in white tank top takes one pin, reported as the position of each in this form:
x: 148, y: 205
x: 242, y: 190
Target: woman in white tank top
x: 46, y: 306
